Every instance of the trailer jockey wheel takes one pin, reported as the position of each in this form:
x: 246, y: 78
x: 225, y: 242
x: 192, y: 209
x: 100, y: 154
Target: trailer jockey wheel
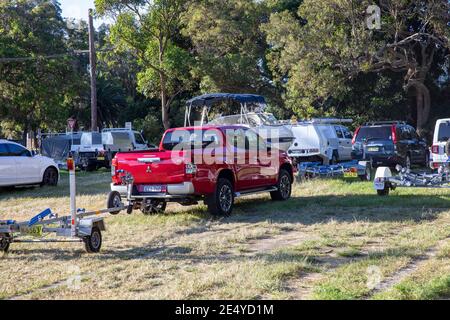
x: 4, y: 242
x: 93, y: 243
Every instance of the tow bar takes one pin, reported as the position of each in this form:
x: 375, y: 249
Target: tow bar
x: 79, y: 226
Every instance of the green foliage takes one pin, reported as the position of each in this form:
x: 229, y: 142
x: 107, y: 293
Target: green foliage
x: 308, y: 57
x: 228, y: 44
x: 31, y: 91
x: 148, y: 30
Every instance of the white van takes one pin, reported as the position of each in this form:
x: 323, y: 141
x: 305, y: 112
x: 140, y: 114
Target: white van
x: 441, y: 143
x: 321, y: 140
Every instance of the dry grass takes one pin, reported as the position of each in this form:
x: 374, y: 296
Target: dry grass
x: 321, y: 244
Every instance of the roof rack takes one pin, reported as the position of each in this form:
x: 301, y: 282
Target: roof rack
x: 324, y: 121
x: 117, y: 129
x: 377, y: 123
x: 331, y: 120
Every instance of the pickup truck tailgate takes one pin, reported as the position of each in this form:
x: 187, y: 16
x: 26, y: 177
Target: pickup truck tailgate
x: 153, y: 167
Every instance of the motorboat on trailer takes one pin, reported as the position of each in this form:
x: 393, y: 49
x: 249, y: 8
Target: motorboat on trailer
x: 251, y: 113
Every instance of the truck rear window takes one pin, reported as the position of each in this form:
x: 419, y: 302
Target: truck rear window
x: 370, y: 133
x: 186, y: 139
x: 444, y: 132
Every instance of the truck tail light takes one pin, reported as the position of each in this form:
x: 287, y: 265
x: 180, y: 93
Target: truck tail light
x: 435, y: 149
x: 113, y: 167
x: 394, y: 134
x: 355, y: 135
x: 190, y: 169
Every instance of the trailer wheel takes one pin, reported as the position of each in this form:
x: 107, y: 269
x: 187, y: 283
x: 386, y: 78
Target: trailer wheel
x: 93, y: 243
x: 384, y: 192
x: 114, y: 201
x: 4, y: 243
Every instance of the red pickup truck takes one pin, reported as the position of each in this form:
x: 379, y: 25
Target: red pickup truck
x: 214, y: 164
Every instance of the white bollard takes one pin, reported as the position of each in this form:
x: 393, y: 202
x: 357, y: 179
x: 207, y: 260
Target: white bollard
x: 73, y: 191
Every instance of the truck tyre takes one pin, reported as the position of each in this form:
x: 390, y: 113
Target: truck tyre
x: 50, y: 177
x: 91, y: 167
x: 427, y: 160
x: 4, y: 243
x: 114, y: 201
x: 334, y: 158
x: 284, y: 187
x: 93, y: 243
x: 156, y: 207
x: 221, y: 202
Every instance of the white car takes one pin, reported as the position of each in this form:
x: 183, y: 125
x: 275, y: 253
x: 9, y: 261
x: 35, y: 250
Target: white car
x: 441, y: 144
x: 321, y: 140
x: 19, y: 166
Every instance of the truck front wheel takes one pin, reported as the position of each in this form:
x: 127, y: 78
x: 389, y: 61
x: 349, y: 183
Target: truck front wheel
x: 284, y: 187
x: 221, y: 202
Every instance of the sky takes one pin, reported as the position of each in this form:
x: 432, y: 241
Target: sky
x: 78, y: 9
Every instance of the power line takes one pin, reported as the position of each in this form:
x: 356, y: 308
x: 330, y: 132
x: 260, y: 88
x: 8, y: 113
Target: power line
x: 49, y: 57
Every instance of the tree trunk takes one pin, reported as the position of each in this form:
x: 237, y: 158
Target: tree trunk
x: 423, y: 102
x: 164, y: 106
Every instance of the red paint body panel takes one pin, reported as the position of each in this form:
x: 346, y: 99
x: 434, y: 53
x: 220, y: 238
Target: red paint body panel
x: 163, y: 169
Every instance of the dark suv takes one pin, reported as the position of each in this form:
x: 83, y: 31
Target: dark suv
x: 389, y: 144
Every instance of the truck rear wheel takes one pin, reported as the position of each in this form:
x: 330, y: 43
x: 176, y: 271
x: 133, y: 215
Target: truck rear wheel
x: 155, y: 207
x: 221, y: 202
x: 284, y: 187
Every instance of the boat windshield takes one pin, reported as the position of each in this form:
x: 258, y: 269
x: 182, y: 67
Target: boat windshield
x: 251, y: 119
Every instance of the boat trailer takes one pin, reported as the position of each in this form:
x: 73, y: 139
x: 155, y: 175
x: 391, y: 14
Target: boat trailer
x: 79, y: 226
x: 349, y: 169
x: 385, y: 181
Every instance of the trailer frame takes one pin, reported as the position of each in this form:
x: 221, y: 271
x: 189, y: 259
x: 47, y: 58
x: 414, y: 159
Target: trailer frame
x: 79, y: 226
x: 385, y: 181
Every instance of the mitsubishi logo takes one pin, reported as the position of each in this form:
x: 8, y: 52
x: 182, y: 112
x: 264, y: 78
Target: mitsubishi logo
x: 149, y: 170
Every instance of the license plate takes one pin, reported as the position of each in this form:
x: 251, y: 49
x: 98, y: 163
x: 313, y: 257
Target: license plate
x: 373, y: 149
x: 350, y: 174
x: 154, y: 189
x: 101, y: 158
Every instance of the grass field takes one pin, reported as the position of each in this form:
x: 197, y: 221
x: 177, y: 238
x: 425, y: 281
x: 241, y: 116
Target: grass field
x: 333, y: 240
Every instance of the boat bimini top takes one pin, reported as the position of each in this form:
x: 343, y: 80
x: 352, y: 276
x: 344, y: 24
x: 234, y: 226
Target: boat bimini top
x: 248, y: 103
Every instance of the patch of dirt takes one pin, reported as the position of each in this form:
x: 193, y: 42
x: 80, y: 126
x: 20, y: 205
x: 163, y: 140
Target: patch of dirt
x: 403, y: 273
x: 284, y: 240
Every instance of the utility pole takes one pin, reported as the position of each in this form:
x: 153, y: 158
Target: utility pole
x: 93, y: 66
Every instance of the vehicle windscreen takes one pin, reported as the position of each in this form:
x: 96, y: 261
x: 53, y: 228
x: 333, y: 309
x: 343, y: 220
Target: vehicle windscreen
x: 269, y: 119
x: 374, y: 133
x: 188, y: 139
x: 444, y: 132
